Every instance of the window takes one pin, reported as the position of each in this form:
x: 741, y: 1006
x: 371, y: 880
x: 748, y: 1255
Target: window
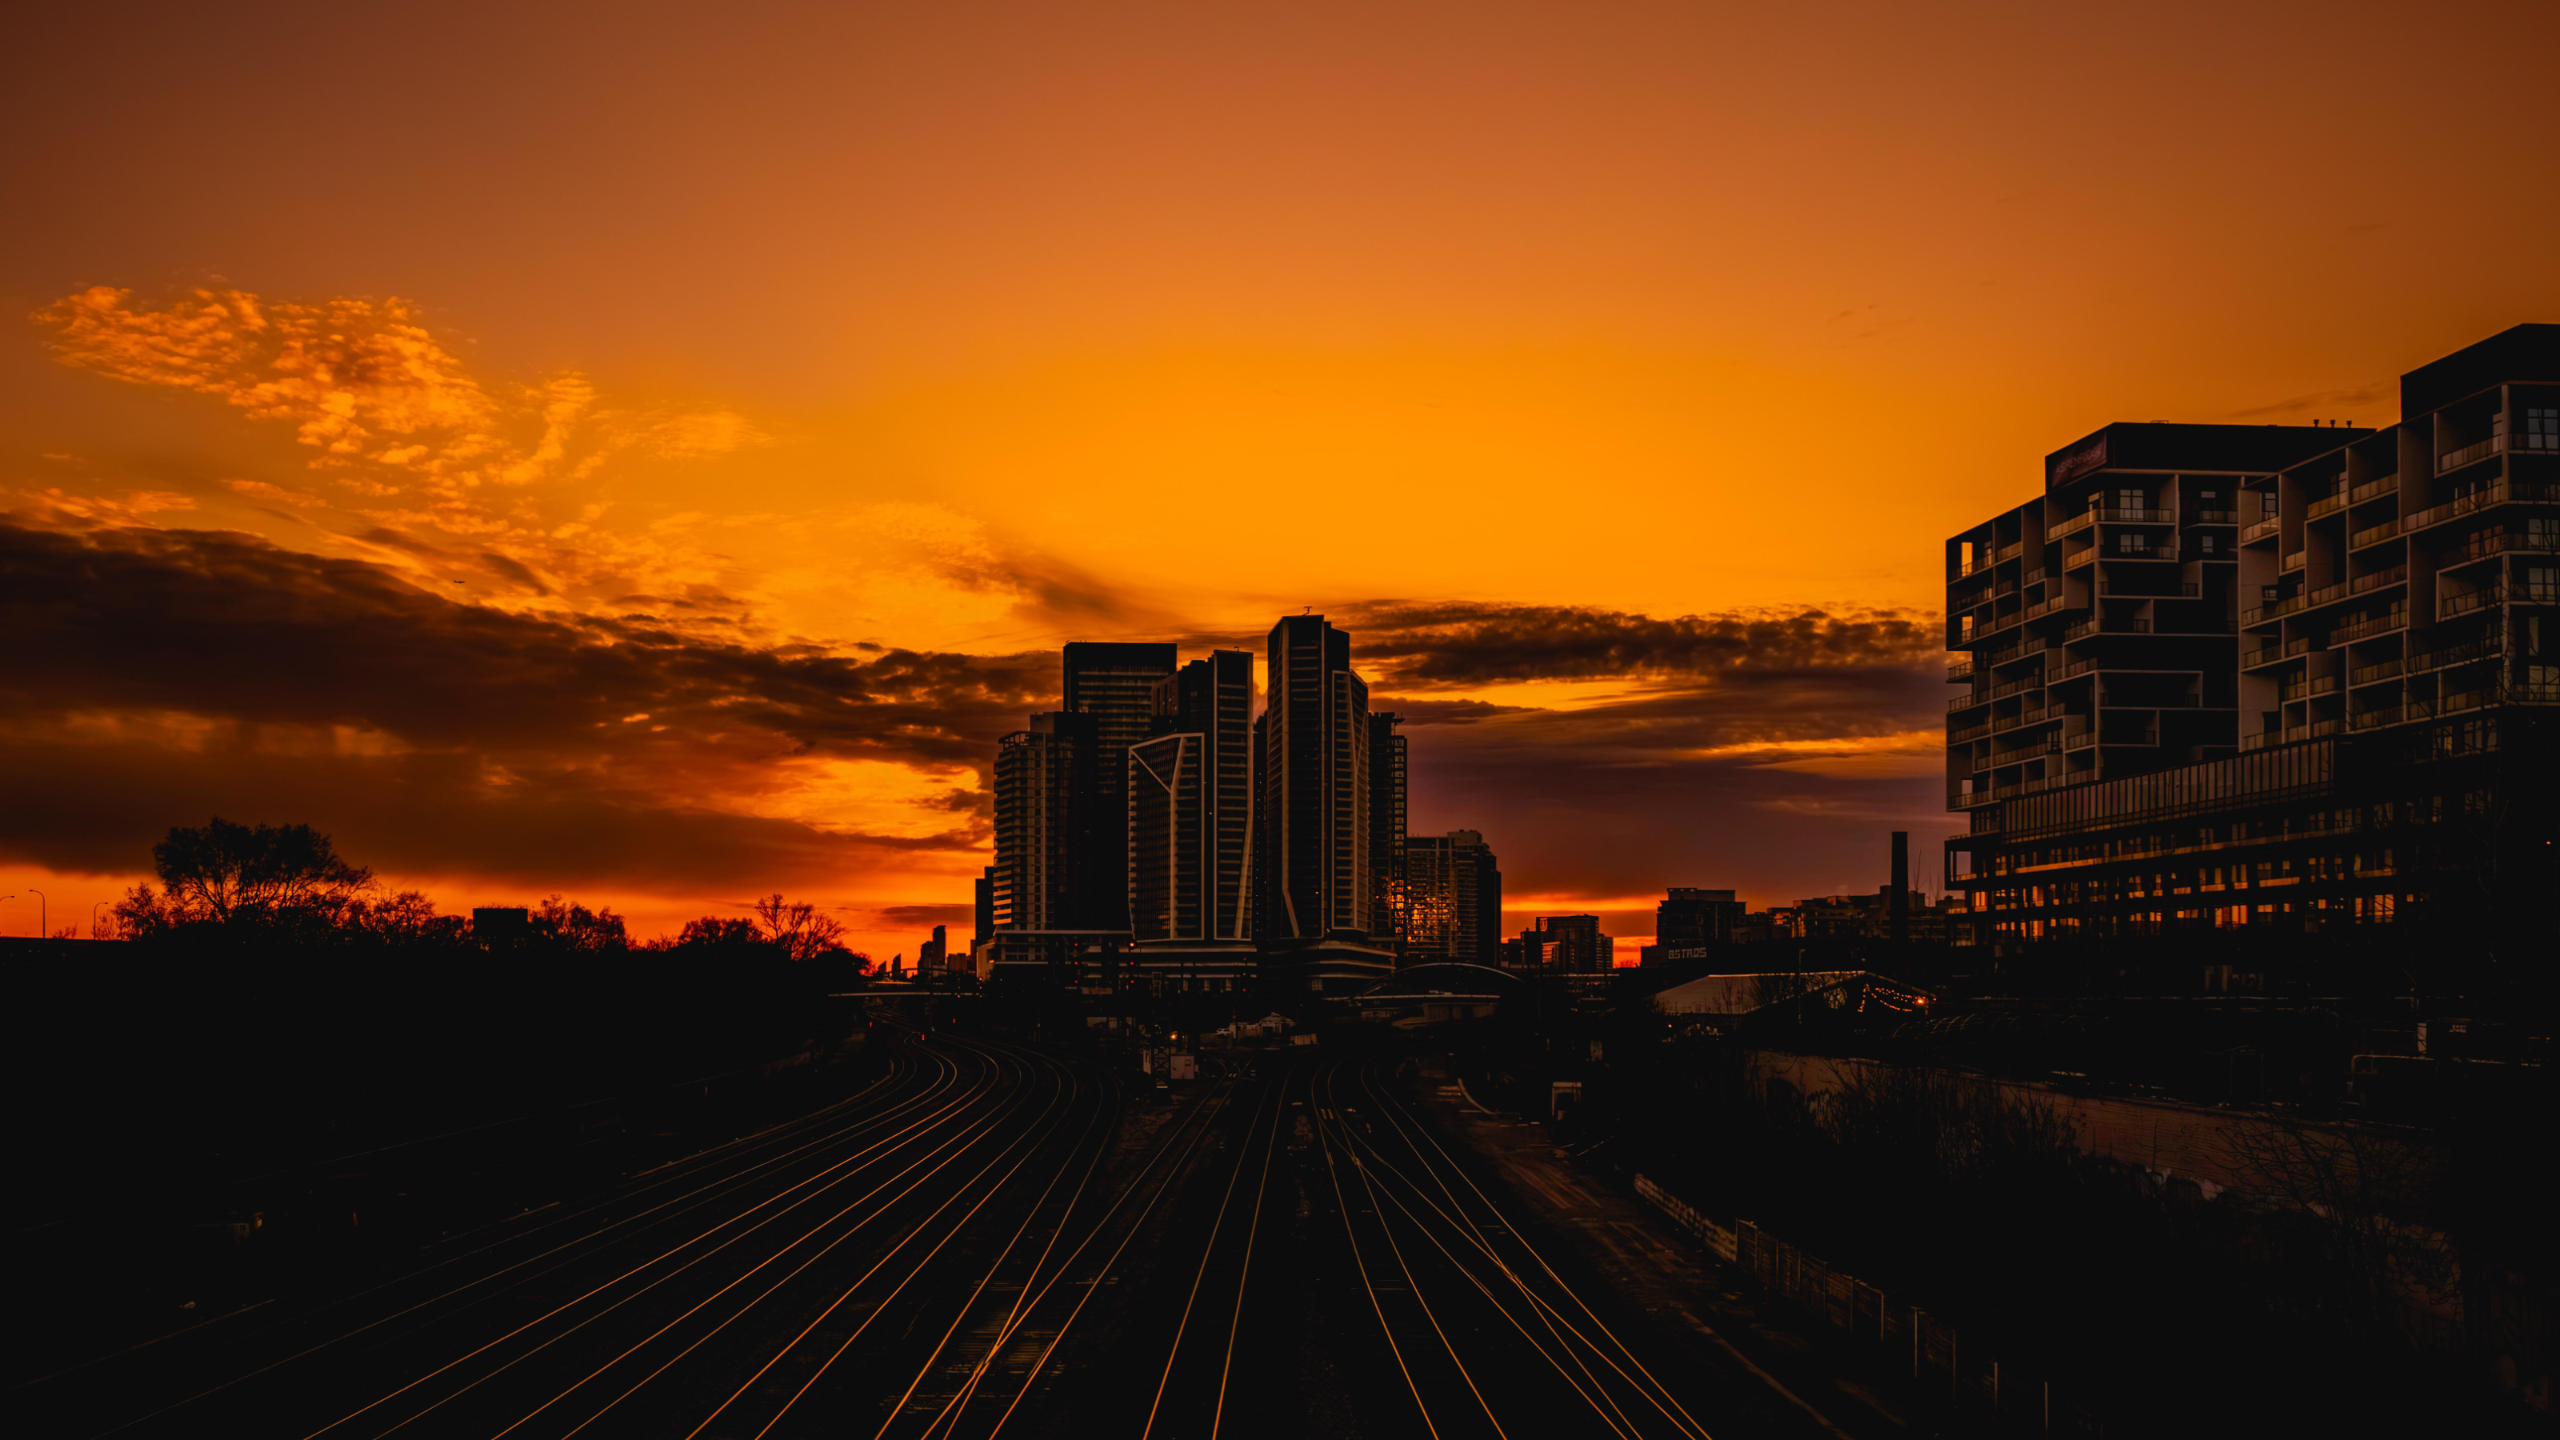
x: 2542, y: 583
x: 2542, y: 427
x: 2131, y: 500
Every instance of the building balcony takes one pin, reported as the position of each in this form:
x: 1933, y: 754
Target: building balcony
x: 2045, y: 607
x: 2374, y: 489
x: 2261, y: 529
x: 2300, y: 645
x: 2293, y: 562
x: 2051, y: 745
x: 2262, y: 655
x: 2448, y: 606
x: 2529, y: 492
x: 2081, y: 740
x: 2453, y: 460
x: 2326, y: 505
x: 2119, y: 515
x: 2097, y: 625
x: 2374, y: 674
x: 2078, y: 558
x: 2073, y: 671
x: 2261, y: 739
x: 2185, y: 590
x: 2375, y: 718
x: 2396, y: 618
x: 1968, y: 734
x: 2447, y: 656
x: 2306, y: 688
x: 2498, y: 543
x: 2272, y: 610
x: 2499, y: 695
x: 1960, y: 670
x: 2143, y: 552
x: 2378, y: 580
x: 2373, y: 534
x: 2072, y: 526
x: 2010, y: 552
x: 2037, y: 716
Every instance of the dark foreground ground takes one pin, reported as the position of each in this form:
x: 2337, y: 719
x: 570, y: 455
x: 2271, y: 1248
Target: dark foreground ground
x: 987, y: 1236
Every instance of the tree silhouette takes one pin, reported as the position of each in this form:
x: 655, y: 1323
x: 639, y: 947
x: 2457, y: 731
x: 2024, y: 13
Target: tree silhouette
x: 224, y: 873
x: 575, y: 927
x: 797, y: 927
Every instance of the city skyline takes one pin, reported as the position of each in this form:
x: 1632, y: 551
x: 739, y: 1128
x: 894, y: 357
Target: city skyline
x: 721, y: 548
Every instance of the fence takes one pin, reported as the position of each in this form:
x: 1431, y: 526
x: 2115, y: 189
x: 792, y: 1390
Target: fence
x: 1903, y: 1339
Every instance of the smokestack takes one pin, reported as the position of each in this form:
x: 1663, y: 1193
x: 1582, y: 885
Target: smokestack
x: 1900, y: 901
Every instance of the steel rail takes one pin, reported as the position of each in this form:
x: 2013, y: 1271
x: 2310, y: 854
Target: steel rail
x: 1208, y: 1114
x: 1342, y: 1207
x: 948, y: 1234
x: 1209, y: 1251
x: 1414, y: 1288
x: 731, y: 1182
x: 1030, y: 1142
x: 1039, y: 1262
x: 878, y: 1153
x: 1595, y: 1394
x: 1656, y: 1393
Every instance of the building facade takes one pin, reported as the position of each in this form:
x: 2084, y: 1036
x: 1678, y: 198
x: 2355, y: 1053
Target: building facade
x: 2372, y: 741
x: 1315, y: 802
x: 1114, y: 684
x: 1453, y: 899
x: 1388, y: 801
x: 1563, y: 945
x: 1190, y: 807
x: 1692, y: 924
x: 1044, y: 873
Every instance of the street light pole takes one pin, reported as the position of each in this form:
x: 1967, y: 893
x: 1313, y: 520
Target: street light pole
x: 40, y: 910
x: 93, y: 918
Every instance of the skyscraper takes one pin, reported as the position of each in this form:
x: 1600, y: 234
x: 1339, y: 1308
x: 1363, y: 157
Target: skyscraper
x: 1114, y: 684
x: 1315, y: 786
x: 1190, y: 807
x: 1453, y: 898
x: 1044, y: 825
x: 1386, y: 827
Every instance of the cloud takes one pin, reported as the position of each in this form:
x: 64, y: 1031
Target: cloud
x: 1457, y: 644
x: 391, y: 412
x: 2330, y: 404
x: 165, y: 672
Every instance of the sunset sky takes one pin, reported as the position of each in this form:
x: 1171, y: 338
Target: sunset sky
x: 650, y: 453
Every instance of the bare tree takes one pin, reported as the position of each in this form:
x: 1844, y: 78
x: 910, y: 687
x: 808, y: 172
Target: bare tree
x: 222, y: 871
x: 796, y: 925
x: 2366, y: 1187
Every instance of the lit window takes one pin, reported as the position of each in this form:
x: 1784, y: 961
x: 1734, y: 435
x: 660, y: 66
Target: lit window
x: 2542, y: 427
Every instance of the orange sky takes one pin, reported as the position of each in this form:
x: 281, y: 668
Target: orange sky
x: 969, y: 329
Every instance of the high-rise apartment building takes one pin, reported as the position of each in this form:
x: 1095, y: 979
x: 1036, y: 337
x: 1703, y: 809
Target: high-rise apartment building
x: 1563, y: 945
x: 1453, y: 899
x: 1044, y: 871
x: 1691, y: 923
x: 1114, y: 683
x: 1190, y: 807
x: 2369, y: 746
x: 1388, y: 803
x: 1315, y: 805
x: 2098, y: 618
